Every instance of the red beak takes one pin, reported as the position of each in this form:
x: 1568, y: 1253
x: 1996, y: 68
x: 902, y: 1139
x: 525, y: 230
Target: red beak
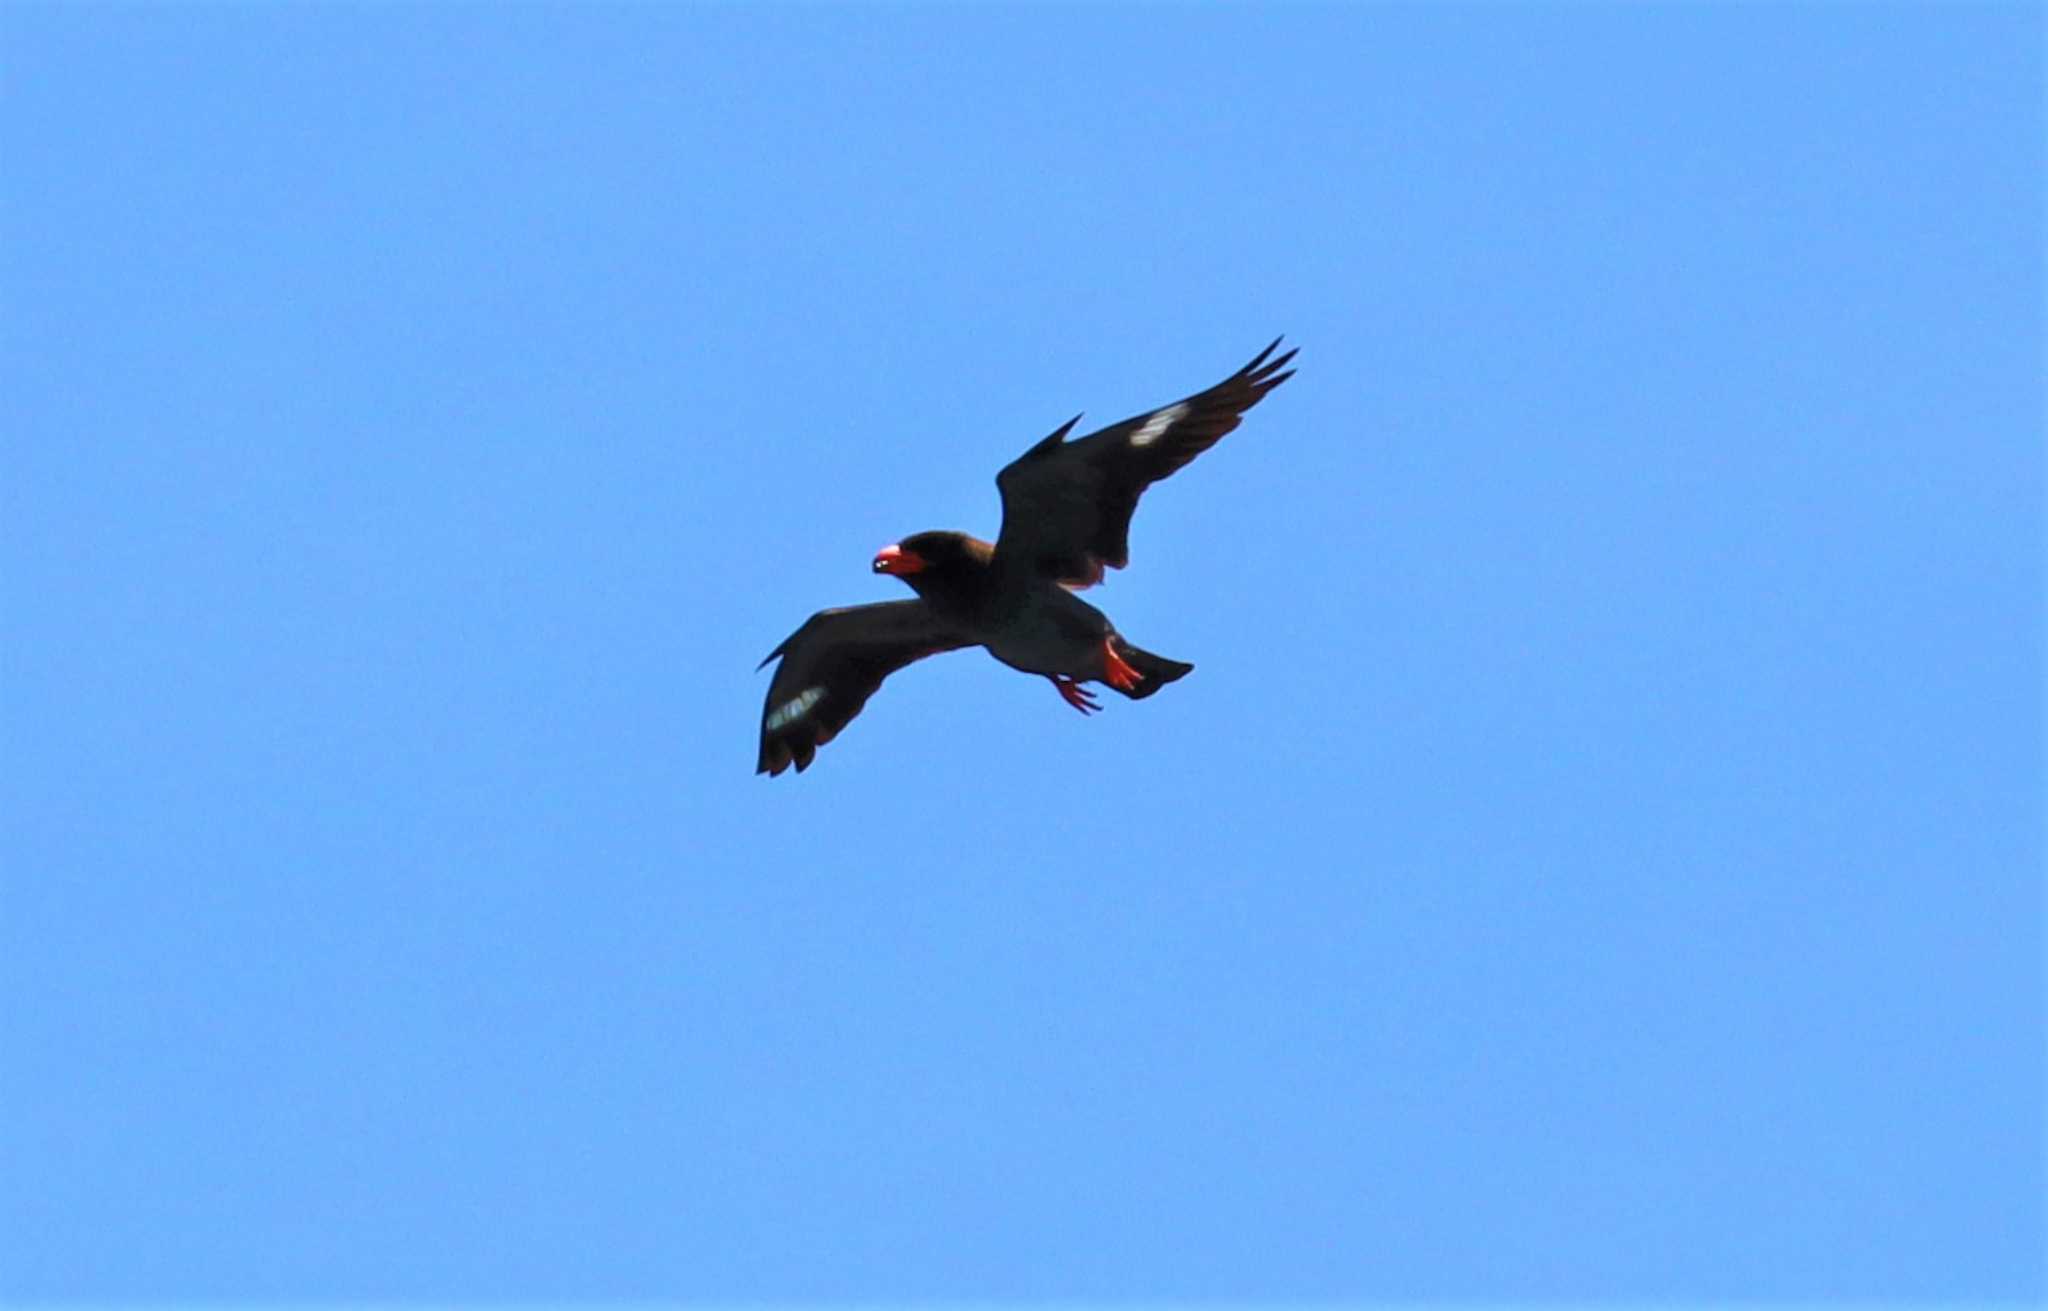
x: 896, y: 560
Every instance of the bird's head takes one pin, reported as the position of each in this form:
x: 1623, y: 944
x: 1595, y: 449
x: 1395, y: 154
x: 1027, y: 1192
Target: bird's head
x: 935, y: 561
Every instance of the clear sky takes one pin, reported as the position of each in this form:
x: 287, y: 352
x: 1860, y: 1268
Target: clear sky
x: 1597, y: 855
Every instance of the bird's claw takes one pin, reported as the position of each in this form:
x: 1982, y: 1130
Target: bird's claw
x: 1074, y: 694
x: 1116, y: 671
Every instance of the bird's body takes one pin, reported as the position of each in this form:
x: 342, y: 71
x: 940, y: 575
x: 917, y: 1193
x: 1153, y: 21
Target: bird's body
x: 1066, y: 517
x: 1025, y: 621
x: 1045, y: 629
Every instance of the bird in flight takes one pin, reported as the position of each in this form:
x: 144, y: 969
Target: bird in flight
x: 1066, y: 516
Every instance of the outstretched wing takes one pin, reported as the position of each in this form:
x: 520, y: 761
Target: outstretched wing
x: 832, y: 665
x: 1067, y: 505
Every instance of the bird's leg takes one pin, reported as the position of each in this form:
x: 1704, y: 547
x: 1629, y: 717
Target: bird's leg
x: 1075, y: 695
x: 1116, y: 671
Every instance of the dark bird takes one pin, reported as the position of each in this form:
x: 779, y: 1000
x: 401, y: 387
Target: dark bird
x: 1066, y: 516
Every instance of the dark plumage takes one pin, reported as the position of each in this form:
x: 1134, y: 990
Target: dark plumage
x: 1066, y: 517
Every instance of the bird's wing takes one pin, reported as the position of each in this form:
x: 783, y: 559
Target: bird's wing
x: 1067, y: 505
x: 833, y: 664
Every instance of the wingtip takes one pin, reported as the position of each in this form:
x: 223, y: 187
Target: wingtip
x: 1265, y: 374
x: 1260, y: 358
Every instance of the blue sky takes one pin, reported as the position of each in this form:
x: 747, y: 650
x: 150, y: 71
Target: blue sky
x: 1598, y: 854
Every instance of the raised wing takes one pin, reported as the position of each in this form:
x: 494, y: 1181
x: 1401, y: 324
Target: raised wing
x: 832, y: 665
x: 1067, y: 505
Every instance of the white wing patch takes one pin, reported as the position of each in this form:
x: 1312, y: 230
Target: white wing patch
x: 1156, y: 426
x: 794, y: 708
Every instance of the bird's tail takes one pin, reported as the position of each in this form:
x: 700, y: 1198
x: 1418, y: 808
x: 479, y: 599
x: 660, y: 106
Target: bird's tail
x: 1157, y: 671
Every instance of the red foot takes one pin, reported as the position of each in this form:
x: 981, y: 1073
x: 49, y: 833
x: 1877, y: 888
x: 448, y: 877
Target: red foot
x: 1115, y: 670
x: 1075, y: 695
